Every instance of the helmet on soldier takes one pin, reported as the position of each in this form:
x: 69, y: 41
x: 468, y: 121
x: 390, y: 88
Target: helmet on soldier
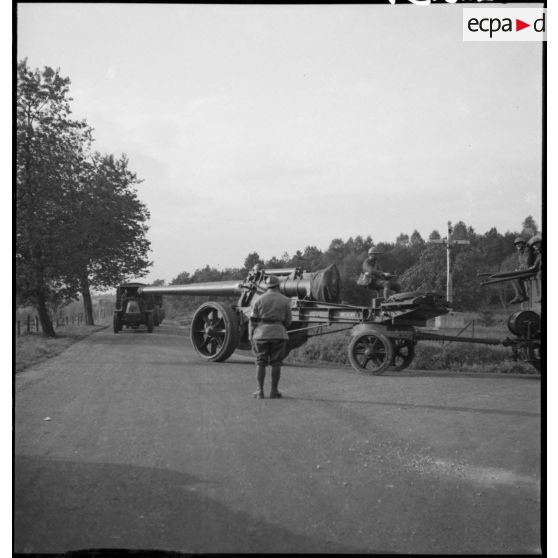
x: 373, y: 251
x: 272, y: 282
x: 519, y: 240
x: 535, y: 240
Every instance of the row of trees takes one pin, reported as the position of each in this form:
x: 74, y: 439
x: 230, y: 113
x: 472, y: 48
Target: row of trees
x: 420, y: 265
x: 79, y: 222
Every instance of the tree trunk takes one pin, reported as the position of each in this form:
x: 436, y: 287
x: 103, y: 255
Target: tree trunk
x: 87, y: 302
x: 44, y: 316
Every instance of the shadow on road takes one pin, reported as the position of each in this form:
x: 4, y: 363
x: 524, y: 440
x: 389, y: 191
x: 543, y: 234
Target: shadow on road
x: 65, y: 505
x: 419, y: 406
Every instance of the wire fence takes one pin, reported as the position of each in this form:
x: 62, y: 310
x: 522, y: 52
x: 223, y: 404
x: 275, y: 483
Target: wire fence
x: 30, y: 324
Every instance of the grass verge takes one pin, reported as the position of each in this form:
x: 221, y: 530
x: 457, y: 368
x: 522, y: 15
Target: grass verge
x: 429, y: 355
x: 34, y: 348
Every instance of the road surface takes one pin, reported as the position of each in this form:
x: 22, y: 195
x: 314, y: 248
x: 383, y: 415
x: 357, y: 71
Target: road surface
x: 132, y: 441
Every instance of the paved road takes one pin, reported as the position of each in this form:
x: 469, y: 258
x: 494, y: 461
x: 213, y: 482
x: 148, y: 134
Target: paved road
x: 148, y: 447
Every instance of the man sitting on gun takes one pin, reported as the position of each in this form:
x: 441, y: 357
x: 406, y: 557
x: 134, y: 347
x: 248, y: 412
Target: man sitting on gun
x: 373, y: 277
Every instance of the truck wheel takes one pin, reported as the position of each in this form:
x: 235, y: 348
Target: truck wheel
x: 370, y: 352
x: 214, y: 331
x: 117, y: 326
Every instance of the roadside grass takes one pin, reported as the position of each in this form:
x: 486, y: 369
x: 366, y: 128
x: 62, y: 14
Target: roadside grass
x: 34, y: 348
x: 327, y: 349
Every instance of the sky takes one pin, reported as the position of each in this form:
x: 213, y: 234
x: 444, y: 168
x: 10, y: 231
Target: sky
x: 271, y: 128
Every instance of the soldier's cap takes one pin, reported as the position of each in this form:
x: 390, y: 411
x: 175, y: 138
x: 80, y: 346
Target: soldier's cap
x: 373, y: 251
x: 534, y: 240
x: 520, y: 240
x: 272, y: 282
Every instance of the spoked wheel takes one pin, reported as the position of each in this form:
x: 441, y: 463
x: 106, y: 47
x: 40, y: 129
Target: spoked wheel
x: 403, y: 354
x: 370, y: 352
x: 214, y: 332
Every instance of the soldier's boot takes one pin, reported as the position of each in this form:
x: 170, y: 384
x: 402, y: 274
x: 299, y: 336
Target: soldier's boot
x: 259, y: 393
x: 275, y: 376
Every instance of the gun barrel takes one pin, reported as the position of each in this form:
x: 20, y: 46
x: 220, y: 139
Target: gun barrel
x: 279, y: 272
x: 211, y: 288
x: 503, y: 278
x: 295, y: 287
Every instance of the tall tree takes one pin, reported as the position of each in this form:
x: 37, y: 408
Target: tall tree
x: 529, y: 227
x: 109, y: 223
x: 251, y: 260
x: 50, y: 150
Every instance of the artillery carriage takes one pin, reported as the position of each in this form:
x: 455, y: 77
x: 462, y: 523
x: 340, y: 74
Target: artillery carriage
x: 383, y: 335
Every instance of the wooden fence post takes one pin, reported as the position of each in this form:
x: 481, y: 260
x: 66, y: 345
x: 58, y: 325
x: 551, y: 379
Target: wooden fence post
x: 37, y: 324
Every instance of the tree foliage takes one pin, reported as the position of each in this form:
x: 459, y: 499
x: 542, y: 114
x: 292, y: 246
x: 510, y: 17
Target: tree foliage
x: 420, y: 265
x: 79, y: 223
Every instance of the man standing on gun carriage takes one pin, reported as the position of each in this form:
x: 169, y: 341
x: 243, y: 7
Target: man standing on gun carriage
x: 373, y: 277
x: 271, y: 316
x: 523, y: 261
x: 535, y: 244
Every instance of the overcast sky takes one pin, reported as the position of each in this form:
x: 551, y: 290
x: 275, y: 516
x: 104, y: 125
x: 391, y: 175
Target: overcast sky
x: 272, y: 128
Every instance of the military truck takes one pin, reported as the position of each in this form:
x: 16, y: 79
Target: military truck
x: 133, y: 309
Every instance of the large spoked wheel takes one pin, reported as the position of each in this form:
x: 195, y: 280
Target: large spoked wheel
x: 214, y: 332
x: 403, y: 354
x: 370, y: 352
x: 116, y: 324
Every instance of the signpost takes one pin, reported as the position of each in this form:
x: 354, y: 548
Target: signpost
x: 450, y: 242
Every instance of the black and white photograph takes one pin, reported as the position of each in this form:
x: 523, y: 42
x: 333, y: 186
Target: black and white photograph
x: 279, y: 278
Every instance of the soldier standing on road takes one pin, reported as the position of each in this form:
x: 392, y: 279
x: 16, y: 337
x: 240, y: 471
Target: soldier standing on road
x: 374, y: 278
x: 523, y: 262
x: 271, y: 315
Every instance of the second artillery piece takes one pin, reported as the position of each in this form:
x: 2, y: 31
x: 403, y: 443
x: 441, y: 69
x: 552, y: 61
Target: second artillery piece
x: 383, y: 335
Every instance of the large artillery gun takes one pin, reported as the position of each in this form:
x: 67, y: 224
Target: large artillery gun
x: 383, y: 335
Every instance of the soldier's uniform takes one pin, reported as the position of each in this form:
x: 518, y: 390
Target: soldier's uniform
x: 535, y: 243
x: 374, y: 278
x: 523, y: 261
x: 270, y: 316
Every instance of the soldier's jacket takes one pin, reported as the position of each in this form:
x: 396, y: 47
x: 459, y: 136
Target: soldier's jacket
x: 271, y: 315
x: 524, y: 259
x: 373, y: 269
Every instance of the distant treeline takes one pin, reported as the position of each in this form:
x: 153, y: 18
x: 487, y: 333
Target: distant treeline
x: 420, y: 265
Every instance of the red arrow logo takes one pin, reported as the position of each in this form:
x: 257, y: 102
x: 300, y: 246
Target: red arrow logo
x: 519, y: 25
